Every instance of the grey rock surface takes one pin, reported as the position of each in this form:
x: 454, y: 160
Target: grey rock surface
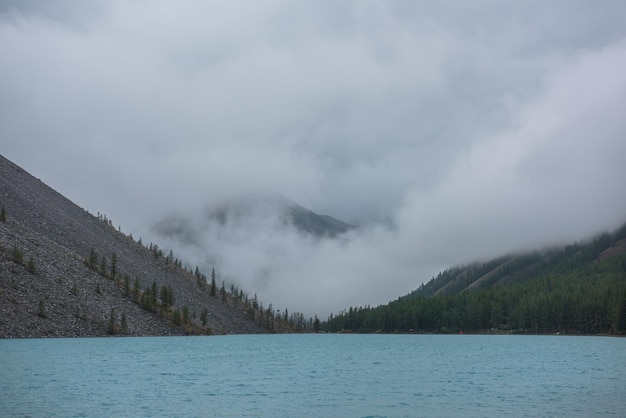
x: 58, y: 236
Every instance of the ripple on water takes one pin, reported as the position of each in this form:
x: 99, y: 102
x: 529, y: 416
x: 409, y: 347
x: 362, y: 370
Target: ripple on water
x: 314, y: 375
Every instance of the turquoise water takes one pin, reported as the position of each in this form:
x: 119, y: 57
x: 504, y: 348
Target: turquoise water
x: 319, y: 375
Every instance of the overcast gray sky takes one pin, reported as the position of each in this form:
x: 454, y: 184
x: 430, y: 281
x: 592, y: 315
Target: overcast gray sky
x: 451, y: 131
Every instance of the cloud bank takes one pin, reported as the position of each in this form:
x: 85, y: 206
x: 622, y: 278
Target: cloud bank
x: 449, y: 133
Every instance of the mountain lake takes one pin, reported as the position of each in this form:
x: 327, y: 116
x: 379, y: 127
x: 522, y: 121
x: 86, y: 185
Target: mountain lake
x: 314, y: 375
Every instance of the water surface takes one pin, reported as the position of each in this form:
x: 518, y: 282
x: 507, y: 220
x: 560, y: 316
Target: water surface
x: 315, y: 375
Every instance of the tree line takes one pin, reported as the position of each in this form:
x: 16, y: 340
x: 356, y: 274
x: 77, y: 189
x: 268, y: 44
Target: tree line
x: 573, y: 291
x: 267, y: 317
x: 161, y: 300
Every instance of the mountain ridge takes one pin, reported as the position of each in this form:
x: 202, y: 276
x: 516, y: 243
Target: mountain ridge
x: 286, y: 211
x: 270, y: 211
x: 508, y: 268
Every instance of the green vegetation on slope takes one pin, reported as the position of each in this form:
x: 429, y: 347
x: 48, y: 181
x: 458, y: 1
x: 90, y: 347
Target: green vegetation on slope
x: 579, y: 289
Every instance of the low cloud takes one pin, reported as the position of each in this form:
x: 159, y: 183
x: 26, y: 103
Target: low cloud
x: 446, y: 134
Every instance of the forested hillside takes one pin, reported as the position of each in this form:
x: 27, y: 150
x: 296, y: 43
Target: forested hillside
x: 577, y: 289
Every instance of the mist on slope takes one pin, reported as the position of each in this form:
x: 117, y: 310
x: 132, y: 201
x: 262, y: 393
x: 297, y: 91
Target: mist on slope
x: 551, y: 177
x: 448, y: 134
x: 260, y: 251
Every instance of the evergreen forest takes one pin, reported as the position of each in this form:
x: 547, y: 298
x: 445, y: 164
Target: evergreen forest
x: 577, y: 289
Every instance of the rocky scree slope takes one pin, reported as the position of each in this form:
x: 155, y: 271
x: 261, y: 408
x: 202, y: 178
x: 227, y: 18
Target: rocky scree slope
x: 50, y: 291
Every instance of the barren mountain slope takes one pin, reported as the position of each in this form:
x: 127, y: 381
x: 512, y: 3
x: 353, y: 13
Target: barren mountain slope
x: 58, y: 236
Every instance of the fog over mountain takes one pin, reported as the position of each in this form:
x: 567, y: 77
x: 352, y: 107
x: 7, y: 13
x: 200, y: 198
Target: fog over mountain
x: 260, y: 241
x: 446, y: 132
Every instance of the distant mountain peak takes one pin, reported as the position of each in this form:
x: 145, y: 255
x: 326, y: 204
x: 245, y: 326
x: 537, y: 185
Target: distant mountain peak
x: 285, y: 211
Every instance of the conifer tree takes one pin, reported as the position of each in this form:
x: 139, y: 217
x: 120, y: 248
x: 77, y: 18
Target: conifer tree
x: 113, y: 265
x: 213, y: 285
x: 204, y: 316
x: 316, y: 324
x: 93, y: 259
x: 3, y: 215
x: 42, y: 313
x: 112, y: 327
x: 103, y: 266
x: 176, y: 317
x: 154, y: 294
x: 167, y: 297
x: 136, y: 289
x: 124, y: 323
